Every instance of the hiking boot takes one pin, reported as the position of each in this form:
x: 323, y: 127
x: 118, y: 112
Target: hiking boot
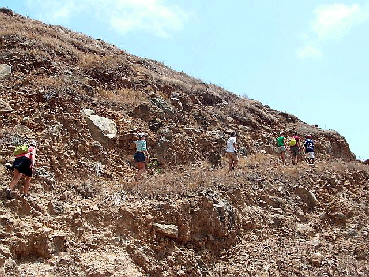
x: 9, y: 193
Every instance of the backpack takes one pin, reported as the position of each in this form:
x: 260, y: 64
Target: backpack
x: 20, y: 149
x: 292, y: 142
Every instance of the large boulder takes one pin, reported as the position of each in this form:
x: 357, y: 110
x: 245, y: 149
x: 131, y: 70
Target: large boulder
x: 5, y: 70
x: 102, y: 129
x: 5, y: 107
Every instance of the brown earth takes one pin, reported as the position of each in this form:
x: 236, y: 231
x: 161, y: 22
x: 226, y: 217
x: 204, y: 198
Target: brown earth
x: 188, y: 217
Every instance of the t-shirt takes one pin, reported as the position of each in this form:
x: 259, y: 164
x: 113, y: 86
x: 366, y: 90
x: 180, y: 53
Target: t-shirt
x: 230, y: 144
x: 280, y: 141
x: 309, y: 145
x: 140, y: 145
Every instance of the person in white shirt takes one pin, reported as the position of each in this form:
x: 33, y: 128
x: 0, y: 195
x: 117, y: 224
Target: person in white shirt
x: 232, y: 151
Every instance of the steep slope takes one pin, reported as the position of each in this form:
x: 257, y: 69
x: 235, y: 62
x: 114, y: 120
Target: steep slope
x: 86, y: 218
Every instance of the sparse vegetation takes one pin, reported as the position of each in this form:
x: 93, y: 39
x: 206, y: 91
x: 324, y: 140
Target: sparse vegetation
x: 123, y: 96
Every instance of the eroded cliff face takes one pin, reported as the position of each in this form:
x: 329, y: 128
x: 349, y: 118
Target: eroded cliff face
x: 83, y: 100
x: 264, y: 219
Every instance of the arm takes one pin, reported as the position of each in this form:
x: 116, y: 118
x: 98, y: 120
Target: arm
x: 145, y: 151
x: 235, y: 146
x: 33, y: 156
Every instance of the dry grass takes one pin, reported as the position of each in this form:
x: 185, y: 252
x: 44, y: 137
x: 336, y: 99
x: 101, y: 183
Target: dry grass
x: 88, y: 61
x: 195, y: 177
x: 37, y: 35
x: 183, y: 179
x: 123, y: 96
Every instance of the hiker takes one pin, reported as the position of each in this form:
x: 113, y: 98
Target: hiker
x: 294, y: 144
x: 232, y: 152
x: 141, y: 156
x: 281, y: 147
x: 23, y: 165
x: 309, y: 150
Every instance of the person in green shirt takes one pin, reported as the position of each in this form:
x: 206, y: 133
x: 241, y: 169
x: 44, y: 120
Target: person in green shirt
x: 281, y: 147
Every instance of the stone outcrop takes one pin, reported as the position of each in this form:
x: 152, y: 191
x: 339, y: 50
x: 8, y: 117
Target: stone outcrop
x: 5, y: 70
x: 102, y: 129
x: 5, y: 107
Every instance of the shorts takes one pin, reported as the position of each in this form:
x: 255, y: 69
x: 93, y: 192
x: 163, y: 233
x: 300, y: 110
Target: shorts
x: 310, y: 155
x: 139, y: 157
x: 281, y: 149
x: 232, y: 156
x: 23, y: 165
x: 295, y: 150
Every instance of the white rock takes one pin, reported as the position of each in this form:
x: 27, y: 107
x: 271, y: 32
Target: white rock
x: 5, y: 70
x: 100, y: 127
x: 168, y: 230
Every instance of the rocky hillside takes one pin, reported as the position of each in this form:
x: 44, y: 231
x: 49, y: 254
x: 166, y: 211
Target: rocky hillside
x: 84, y: 100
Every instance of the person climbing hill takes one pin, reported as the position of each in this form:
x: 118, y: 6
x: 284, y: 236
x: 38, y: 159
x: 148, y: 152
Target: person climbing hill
x: 294, y: 144
x: 23, y: 165
x: 281, y: 147
x: 231, y: 151
x: 309, y: 150
x: 141, y: 155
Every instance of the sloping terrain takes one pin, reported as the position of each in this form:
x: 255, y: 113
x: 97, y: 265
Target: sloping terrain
x: 84, y: 100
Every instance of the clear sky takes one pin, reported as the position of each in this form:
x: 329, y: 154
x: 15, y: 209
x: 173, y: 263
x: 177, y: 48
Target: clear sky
x: 308, y: 58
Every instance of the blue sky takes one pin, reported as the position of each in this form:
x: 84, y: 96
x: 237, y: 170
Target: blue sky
x: 307, y: 58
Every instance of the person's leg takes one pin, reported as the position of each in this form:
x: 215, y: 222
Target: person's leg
x: 296, y: 157
x: 235, y: 161
x: 297, y: 153
x: 283, y: 158
x: 141, y: 166
x: 27, y: 184
x: 16, y: 177
x: 230, y: 162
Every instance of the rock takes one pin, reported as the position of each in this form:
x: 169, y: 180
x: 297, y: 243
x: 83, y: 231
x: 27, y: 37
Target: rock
x: 101, y: 128
x: 307, y: 196
x: 4, y: 254
x: 278, y: 220
x: 338, y: 218
x: 305, y: 229
x: 22, y: 131
x: 7, y: 11
x: 5, y: 70
x: 168, y: 230
x: 316, y: 259
x: 5, y: 107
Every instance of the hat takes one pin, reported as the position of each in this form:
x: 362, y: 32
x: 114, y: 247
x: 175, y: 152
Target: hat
x: 309, y: 136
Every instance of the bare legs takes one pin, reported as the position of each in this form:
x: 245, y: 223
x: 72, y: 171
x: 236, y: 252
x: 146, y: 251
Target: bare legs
x: 295, y: 159
x: 16, y: 177
x: 283, y: 158
x: 141, y: 169
x: 232, y: 161
x: 27, y: 184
